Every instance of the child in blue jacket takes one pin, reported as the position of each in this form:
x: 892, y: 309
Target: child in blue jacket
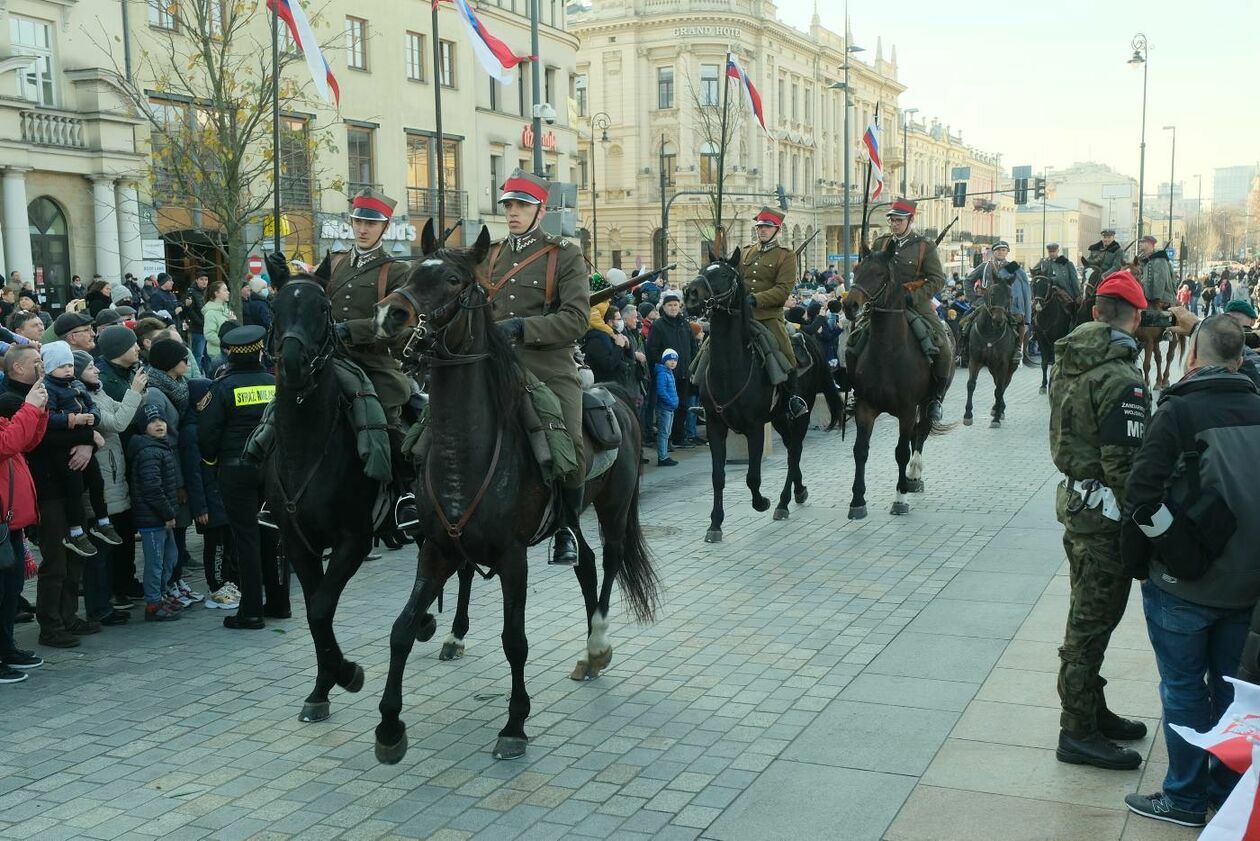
x: 666, y: 405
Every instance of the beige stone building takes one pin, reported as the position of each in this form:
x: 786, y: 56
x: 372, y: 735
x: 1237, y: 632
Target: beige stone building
x: 67, y: 148
x: 655, y: 69
x: 1075, y: 224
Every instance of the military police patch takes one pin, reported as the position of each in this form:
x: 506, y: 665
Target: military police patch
x: 1125, y: 424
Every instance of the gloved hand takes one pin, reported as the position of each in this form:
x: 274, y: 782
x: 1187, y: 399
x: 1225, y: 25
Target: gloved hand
x: 277, y: 267
x: 343, y: 331
x: 1012, y: 267
x: 752, y: 302
x: 512, y: 328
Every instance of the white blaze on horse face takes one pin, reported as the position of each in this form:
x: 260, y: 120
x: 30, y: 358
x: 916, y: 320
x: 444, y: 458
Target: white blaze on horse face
x: 433, y: 262
x: 597, y: 642
x: 914, y: 470
x: 382, y: 312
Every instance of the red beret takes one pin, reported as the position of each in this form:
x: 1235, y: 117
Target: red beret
x: 1125, y: 286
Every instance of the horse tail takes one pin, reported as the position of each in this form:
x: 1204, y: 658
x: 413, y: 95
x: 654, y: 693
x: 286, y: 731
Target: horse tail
x: 831, y: 393
x: 938, y: 428
x: 640, y: 586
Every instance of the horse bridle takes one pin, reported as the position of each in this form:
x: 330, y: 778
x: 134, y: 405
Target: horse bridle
x: 878, y: 294
x: 716, y: 301
x: 326, y: 348
x: 428, y: 339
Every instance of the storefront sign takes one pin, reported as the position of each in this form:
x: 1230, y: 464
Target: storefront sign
x: 709, y: 32
x: 335, y: 228
x: 527, y: 139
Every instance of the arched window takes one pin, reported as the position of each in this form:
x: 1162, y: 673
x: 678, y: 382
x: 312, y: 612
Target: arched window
x: 50, y: 247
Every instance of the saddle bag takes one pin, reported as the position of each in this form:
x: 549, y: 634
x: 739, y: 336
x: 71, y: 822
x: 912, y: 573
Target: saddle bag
x: 599, y: 420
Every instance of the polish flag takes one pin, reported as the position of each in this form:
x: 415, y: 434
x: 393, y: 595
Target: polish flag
x: 871, y: 141
x: 1239, y: 817
x: 734, y: 71
x: 1231, y: 739
x: 495, y: 56
x: 290, y: 11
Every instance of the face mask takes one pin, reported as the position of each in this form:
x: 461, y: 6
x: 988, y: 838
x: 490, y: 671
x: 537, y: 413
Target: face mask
x: 619, y: 325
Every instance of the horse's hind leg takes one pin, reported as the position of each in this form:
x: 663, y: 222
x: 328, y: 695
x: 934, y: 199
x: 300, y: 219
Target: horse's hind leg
x: 901, y: 506
x: 588, y: 580
x: 861, y: 450
x: 792, y: 432
x: 973, y: 372
x: 514, y: 577
x: 717, y: 429
x: 453, y: 645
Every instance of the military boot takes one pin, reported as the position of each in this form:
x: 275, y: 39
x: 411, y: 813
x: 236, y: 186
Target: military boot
x: 936, y: 408
x: 564, y: 550
x: 791, y: 392
x: 1119, y: 729
x: 1096, y: 750
x: 406, y: 518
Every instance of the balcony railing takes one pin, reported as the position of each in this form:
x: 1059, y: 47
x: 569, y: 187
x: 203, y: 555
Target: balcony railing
x: 49, y: 128
x: 423, y: 202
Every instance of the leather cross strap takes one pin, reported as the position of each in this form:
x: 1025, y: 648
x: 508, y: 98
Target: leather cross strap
x: 492, y: 289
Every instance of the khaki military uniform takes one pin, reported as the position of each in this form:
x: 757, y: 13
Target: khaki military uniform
x: 358, y: 282
x: 1098, y: 411
x: 915, y: 259
x: 518, y: 285
x: 769, y: 274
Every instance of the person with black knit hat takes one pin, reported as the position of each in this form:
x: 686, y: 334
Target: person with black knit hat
x: 154, y: 483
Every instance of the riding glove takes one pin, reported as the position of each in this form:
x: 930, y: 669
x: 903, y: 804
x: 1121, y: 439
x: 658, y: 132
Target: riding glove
x: 512, y: 328
x: 277, y: 267
x: 752, y: 302
x: 343, y: 331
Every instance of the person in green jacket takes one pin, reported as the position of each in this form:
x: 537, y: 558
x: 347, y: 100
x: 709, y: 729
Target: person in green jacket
x: 214, y: 314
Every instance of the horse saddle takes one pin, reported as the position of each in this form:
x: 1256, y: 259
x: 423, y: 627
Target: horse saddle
x: 599, y: 420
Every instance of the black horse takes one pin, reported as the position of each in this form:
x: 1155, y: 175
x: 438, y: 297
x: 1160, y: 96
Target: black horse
x: 737, y: 394
x: 1053, y: 314
x: 480, y: 495
x: 991, y: 344
x: 316, y: 486
x: 890, y: 375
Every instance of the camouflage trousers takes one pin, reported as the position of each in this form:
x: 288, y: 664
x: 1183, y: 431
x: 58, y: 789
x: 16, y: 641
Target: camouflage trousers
x: 1100, y: 591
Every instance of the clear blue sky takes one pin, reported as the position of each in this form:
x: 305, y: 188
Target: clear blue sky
x: 1048, y: 84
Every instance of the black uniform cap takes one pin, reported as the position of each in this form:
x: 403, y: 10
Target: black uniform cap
x: 243, y: 340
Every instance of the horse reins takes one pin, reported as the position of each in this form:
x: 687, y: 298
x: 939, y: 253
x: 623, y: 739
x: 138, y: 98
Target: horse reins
x: 722, y: 302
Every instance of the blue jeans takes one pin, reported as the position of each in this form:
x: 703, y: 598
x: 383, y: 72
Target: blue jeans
x: 664, y: 423
x: 197, y: 344
x: 98, y: 578
x: 690, y: 432
x: 11, y: 581
x: 160, y: 556
x: 1196, y: 647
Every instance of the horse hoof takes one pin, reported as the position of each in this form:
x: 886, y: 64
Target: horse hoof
x: 900, y: 508
x: 780, y: 513
x: 713, y: 536
x: 510, y: 747
x: 451, y: 651
x: 914, y: 486
x: 966, y: 421
x: 314, y: 711
x: 857, y: 512
x: 426, y: 629
x: 356, y: 680
x: 600, y: 662
x: 392, y: 754
x: 762, y: 504
x: 1042, y: 390
x: 995, y: 424
x: 581, y: 672
x: 801, y: 496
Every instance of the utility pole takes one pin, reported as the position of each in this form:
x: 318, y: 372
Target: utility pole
x: 664, y: 255
x: 534, y: 68
x: 1141, y: 54
x: 599, y: 121
x: 905, y: 148
x: 1172, y: 173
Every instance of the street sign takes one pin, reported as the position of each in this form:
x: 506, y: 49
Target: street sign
x: 255, y: 265
x: 1021, y: 172
x: 960, y: 173
x: 835, y: 258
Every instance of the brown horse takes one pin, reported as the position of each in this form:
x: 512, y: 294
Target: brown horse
x: 890, y: 375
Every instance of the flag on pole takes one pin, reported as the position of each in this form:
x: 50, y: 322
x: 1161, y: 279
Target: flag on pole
x: 1231, y: 739
x: 1239, y: 817
x: 290, y: 11
x: 495, y: 56
x: 734, y: 71
x: 871, y: 141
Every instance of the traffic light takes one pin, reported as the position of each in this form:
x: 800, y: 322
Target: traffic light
x: 960, y: 194
x: 1039, y: 188
x: 1021, y: 191
x: 783, y: 199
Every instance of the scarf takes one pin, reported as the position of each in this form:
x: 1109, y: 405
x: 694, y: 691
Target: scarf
x: 175, y: 390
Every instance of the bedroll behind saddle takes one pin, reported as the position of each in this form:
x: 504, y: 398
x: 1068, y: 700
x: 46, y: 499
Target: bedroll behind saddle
x: 764, y: 347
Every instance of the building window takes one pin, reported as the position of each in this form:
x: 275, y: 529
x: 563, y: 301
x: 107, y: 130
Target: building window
x: 415, y: 56
x: 710, y: 93
x: 809, y: 103
x: 579, y: 89
x: 782, y: 99
x: 359, y: 152
x: 549, y: 85
x: 356, y: 43
x: 295, y: 163
x: 448, y: 63
x: 708, y: 163
x: 1019, y: 235
x: 669, y: 164
x: 664, y: 87
x: 217, y: 14
x: 422, y: 176
x: 162, y: 14
x: 33, y: 38
x: 495, y: 95
x: 583, y: 171
x: 796, y: 101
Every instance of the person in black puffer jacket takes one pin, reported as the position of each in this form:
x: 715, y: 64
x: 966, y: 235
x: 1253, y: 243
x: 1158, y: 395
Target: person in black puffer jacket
x: 153, y: 474
x: 673, y: 330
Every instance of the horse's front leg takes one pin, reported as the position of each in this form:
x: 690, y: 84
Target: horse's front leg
x: 514, y: 577
x: 973, y: 373
x: 906, y: 425
x: 453, y: 645
x: 756, y: 446
x: 865, y: 419
x: 310, y: 572
x: 717, y: 430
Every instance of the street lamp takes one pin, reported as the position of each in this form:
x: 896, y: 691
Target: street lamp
x: 600, y: 121
x: 905, y: 147
x: 1198, y: 224
x: 848, y: 154
x: 1141, y: 52
x: 1172, y: 172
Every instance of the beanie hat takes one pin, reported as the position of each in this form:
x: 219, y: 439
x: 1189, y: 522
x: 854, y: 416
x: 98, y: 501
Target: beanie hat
x: 56, y: 354
x: 106, y: 317
x: 669, y: 353
x: 645, y: 308
x: 152, y: 412
x: 82, y: 359
x: 119, y: 293
x: 1241, y: 306
x: 165, y: 354
x: 114, y: 341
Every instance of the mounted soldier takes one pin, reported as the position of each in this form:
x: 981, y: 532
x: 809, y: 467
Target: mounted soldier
x: 997, y: 269
x: 1106, y: 255
x: 1061, y: 272
x: 917, y: 267
x: 1157, y: 275
x: 540, y: 297
x: 769, y: 271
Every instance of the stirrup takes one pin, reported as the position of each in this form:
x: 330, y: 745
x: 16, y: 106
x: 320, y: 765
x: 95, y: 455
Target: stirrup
x: 797, y: 407
x: 265, y: 519
x: 936, y: 410
x: 405, y: 514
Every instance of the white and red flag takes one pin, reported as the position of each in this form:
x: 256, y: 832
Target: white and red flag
x: 734, y: 71
x: 495, y: 56
x: 871, y: 141
x: 290, y: 11
x: 1231, y: 739
x: 1239, y: 817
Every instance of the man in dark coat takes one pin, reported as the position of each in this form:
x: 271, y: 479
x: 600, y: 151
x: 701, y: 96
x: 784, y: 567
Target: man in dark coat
x: 673, y: 330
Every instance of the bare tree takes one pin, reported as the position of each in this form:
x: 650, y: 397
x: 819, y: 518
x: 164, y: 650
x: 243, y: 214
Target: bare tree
x: 713, y: 147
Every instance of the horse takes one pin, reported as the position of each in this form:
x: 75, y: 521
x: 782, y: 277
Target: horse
x: 890, y: 375
x: 737, y: 394
x: 992, y: 344
x: 316, y: 486
x: 1053, y: 314
x: 480, y: 496
x: 1089, y: 288
x: 1149, y: 338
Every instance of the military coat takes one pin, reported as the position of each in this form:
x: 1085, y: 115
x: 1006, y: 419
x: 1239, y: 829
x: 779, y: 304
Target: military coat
x: 1106, y: 258
x: 916, y: 258
x: 769, y: 274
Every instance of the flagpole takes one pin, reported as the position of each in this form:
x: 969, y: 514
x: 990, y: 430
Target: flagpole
x: 275, y: 126
x: 718, y: 233
x: 866, y: 183
x: 437, y: 126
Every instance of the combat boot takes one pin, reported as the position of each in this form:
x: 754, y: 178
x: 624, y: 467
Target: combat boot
x: 1120, y: 729
x: 936, y: 408
x: 564, y: 550
x: 1096, y: 750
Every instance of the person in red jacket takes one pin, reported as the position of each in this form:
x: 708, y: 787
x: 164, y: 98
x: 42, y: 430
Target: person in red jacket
x: 22, y: 425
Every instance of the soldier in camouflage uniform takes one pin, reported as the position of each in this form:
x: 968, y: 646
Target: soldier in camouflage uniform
x: 1157, y: 274
x: 769, y: 271
x: 1098, y: 412
x: 1106, y: 255
x: 540, y: 297
x: 917, y: 267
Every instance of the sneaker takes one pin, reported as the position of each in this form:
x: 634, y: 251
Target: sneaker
x: 79, y: 544
x: 135, y: 590
x: 8, y: 675
x: 24, y: 616
x: 123, y: 602
x: 106, y: 534
x: 59, y: 639
x: 1158, y: 807
x: 666, y: 462
x: 687, y: 445
x: 173, y: 594
x: 188, y: 592
x: 223, y: 599
x: 19, y: 659
x: 160, y: 613
x: 116, y: 617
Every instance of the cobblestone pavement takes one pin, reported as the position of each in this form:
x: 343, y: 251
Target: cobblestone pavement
x: 801, y: 679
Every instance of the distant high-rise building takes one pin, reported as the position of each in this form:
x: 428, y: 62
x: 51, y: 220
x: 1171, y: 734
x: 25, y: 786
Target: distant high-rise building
x: 1232, y: 184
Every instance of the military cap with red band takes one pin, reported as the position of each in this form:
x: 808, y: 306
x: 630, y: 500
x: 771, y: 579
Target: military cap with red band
x: 1124, y: 286
x: 903, y: 208
x: 768, y: 216
x: 372, y: 205
x: 523, y: 186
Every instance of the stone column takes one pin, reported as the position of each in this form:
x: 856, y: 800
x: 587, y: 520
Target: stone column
x: 17, y: 228
x: 105, y: 213
x: 129, y: 244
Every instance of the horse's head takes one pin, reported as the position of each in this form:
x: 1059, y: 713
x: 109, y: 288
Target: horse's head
x: 998, y: 298
x: 874, y: 282
x: 1041, y: 287
x: 717, y: 287
x: 302, y: 335
x: 438, y: 287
